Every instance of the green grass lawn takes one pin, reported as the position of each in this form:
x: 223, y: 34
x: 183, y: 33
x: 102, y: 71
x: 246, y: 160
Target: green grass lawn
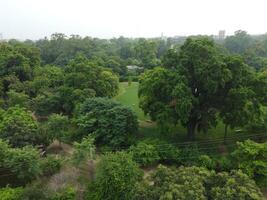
x: 128, y: 96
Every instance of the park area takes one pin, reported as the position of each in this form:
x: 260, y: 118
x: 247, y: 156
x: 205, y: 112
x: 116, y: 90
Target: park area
x: 212, y: 141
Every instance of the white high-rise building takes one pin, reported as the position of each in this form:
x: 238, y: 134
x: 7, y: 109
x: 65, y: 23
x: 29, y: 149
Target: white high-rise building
x: 221, y: 35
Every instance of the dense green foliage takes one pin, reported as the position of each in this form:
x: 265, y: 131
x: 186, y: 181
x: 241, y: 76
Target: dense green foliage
x: 60, y: 88
x: 199, y: 183
x: 57, y: 127
x: 200, y: 84
x: 84, y: 150
x: 23, y: 164
x: 111, y: 123
x: 251, y: 158
x: 150, y: 152
x: 8, y: 193
x: 116, y: 178
x: 50, y: 165
x: 18, y: 126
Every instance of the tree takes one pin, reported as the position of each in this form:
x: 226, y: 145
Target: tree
x: 116, y: 178
x: 111, y: 123
x: 251, y: 158
x: 238, y: 43
x: 18, y: 99
x: 195, y: 87
x: 21, y: 165
x: 146, y: 52
x: 188, y: 183
x: 84, y: 150
x: 19, y: 128
x: 57, y: 126
x: 234, y: 186
x: 24, y: 163
x: 242, y: 102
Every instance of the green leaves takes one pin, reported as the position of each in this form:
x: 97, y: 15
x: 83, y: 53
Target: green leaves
x: 251, y: 158
x: 18, y: 127
x: 116, y: 178
x: 200, y: 84
x: 111, y: 123
x: 84, y: 150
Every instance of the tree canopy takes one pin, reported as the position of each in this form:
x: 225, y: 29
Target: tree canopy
x: 200, y: 84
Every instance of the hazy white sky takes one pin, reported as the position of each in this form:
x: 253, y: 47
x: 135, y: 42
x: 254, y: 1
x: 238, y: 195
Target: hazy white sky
x: 34, y: 19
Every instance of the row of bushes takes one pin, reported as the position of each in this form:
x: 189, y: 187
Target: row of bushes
x: 249, y: 156
x: 119, y: 177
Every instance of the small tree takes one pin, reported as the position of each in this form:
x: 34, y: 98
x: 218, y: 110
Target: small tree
x: 116, y: 178
x: 19, y: 128
x: 84, y: 150
x: 251, y: 158
x: 111, y: 123
x: 57, y: 126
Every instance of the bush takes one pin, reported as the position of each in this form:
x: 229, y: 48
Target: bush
x: 50, y: 165
x: 116, y: 178
x: 145, y: 154
x: 84, y: 150
x: 233, y: 186
x: 167, y: 152
x: 251, y: 158
x: 24, y: 163
x: 34, y: 192
x: 66, y: 194
x: 224, y: 163
x: 57, y: 126
x: 206, y: 161
x: 19, y: 128
x: 111, y: 123
x: 8, y: 193
x: 189, y: 155
x: 187, y: 183
x: 150, y: 152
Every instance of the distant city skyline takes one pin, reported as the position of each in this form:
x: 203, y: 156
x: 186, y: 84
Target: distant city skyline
x: 35, y: 19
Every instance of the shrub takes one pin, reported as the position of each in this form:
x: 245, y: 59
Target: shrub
x: 83, y: 150
x: 67, y: 193
x: 206, y: 161
x: 152, y: 151
x: 50, y: 165
x: 224, y: 163
x: 233, y: 186
x: 24, y: 163
x: 145, y: 154
x: 189, y: 155
x: 57, y: 126
x: 8, y: 193
x: 111, y: 123
x: 251, y: 158
x: 35, y: 191
x: 187, y: 183
x: 116, y: 178
x: 19, y: 128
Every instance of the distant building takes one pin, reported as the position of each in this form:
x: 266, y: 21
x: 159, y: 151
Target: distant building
x: 221, y: 35
x: 133, y: 67
x: 1, y: 36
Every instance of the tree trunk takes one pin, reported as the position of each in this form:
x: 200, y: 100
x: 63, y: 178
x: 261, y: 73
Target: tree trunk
x: 225, y: 133
x: 191, y: 127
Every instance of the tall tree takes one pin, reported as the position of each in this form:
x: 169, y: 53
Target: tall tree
x: 195, y: 86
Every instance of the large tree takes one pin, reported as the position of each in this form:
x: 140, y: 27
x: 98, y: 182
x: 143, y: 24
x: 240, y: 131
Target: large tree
x: 195, y: 86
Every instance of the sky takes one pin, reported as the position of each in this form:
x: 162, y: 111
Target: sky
x: 35, y: 19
